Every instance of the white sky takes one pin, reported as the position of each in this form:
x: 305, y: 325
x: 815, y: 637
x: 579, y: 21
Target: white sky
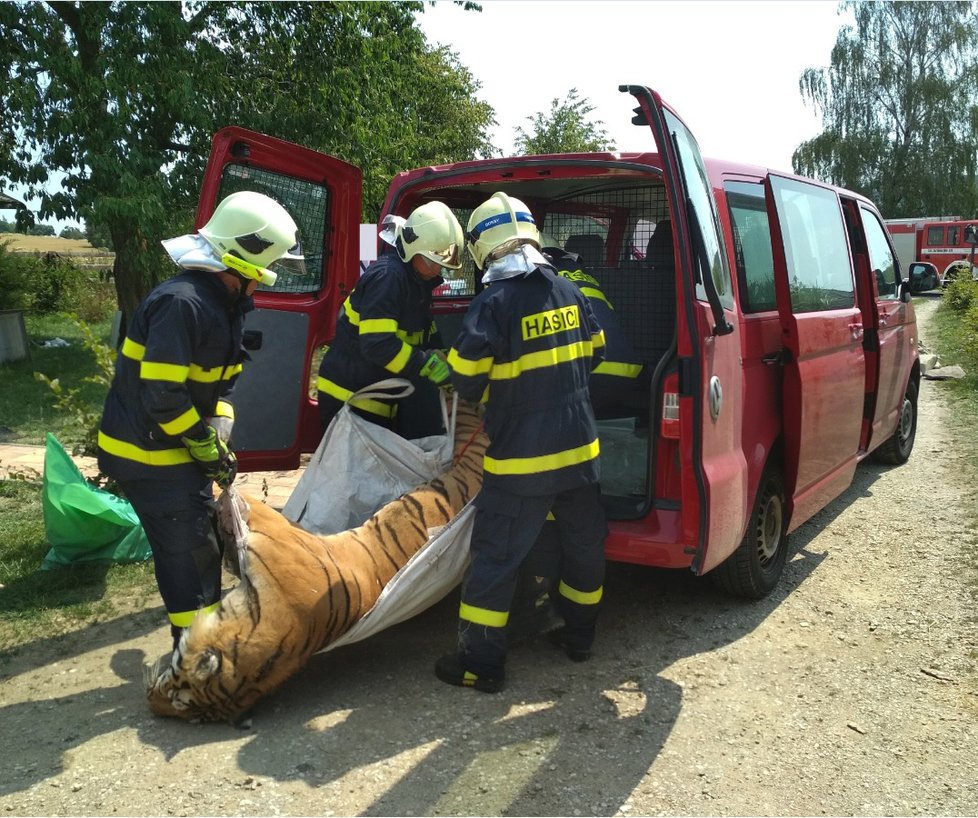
x: 730, y: 69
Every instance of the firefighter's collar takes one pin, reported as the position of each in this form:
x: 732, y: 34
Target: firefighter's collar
x: 192, y: 252
x: 523, y: 260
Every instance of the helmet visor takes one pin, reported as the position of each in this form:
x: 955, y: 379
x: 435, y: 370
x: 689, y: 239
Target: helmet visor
x: 450, y: 257
x: 292, y: 262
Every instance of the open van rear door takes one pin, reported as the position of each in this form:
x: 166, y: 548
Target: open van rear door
x: 822, y: 327
x: 713, y: 467
x: 276, y: 418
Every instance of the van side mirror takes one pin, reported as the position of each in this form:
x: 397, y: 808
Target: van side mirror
x: 905, y: 295
x: 971, y: 235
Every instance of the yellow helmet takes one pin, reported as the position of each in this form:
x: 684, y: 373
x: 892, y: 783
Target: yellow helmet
x: 431, y: 231
x: 250, y: 231
x: 498, y: 226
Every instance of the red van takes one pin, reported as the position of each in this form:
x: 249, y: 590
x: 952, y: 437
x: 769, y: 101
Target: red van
x: 781, y: 340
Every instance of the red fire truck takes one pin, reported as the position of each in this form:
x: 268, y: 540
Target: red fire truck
x: 934, y: 247
x: 779, y: 335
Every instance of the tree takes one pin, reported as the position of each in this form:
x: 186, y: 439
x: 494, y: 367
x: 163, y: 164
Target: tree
x: 898, y: 108
x: 566, y: 129
x: 72, y: 233
x: 123, y: 98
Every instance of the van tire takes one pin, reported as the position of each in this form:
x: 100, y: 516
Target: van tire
x: 896, y: 450
x: 753, y: 570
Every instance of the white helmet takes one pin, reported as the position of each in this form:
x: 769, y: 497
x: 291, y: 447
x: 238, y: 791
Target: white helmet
x: 249, y: 232
x: 431, y: 231
x: 498, y: 226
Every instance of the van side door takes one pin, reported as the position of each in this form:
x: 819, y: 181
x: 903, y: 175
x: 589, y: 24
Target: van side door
x: 822, y: 328
x: 712, y: 464
x: 276, y: 419
x: 888, y: 321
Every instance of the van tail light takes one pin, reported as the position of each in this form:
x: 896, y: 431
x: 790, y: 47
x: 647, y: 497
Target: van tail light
x: 670, y: 407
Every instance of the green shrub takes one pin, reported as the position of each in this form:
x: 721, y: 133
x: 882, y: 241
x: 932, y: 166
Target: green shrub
x: 83, y: 418
x: 15, y: 293
x: 50, y: 283
x: 961, y: 294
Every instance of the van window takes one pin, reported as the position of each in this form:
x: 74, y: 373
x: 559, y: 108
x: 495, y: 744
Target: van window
x: 307, y: 203
x: 752, y: 246
x: 880, y: 255
x: 952, y: 235
x: 815, y: 246
x: 698, y: 190
x: 935, y: 236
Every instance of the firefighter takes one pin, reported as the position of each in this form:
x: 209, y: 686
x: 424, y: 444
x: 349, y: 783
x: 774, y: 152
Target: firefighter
x: 619, y: 386
x: 166, y: 427
x: 385, y: 328
x: 527, y: 346
x: 620, y: 376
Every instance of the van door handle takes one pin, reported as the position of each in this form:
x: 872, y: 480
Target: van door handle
x: 856, y: 330
x: 884, y: 317
x: 774, y: 359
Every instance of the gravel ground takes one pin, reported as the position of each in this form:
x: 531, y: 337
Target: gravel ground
x: 851, y: 690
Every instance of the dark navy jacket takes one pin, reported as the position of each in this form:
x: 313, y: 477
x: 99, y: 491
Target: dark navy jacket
x: 526, y: 349
x: 383, y: 329
x: 618, y: 374
x: 177, y: 366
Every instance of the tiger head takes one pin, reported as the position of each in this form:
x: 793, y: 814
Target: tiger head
x: 300, y: 591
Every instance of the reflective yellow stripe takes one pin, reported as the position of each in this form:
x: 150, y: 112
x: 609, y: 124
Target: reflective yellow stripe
x: 543, y: 358
x: 224, y: 410
x: 183, y: 619
x: 155, y: 371
x: 213, y: 374
x: 351, y: 314
x: 399, y: 361
x: 413, y: 338
x: 128, y: 451
x: 151, y: 371
x: 621, y: 370
x: 133, y: 350
x: 545, y: 462
x: 590, y: 292
x: 483, y: 616
x: 598, y: 340
x: 464, y: 366
x: 335, y: 390
x: 180, y: 424
x: 550, y: 517
x: 375, y: 325
x: 469, y: 679
x: 580, y: 597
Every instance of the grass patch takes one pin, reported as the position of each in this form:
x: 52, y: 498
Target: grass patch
x: 26, y: 404
x: 37, y: 604
x: 953, y: 338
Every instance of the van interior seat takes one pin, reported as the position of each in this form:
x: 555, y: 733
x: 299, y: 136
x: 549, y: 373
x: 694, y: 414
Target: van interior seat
x: 589, y: 246
x: 643, y: 294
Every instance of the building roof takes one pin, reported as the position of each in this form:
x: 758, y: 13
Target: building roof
x: 9, y: 202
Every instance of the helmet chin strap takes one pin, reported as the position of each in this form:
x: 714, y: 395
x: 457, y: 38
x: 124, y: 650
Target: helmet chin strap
x: 248, y: 270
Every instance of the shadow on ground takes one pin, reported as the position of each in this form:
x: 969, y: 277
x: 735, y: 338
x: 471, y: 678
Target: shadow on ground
x: 376, y: 703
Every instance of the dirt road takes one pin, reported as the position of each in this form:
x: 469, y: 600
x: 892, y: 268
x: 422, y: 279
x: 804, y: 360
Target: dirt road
x: 851, y: 690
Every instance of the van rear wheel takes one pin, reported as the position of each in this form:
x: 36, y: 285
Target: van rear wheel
x: 753, y: 570
x: 896, y: 450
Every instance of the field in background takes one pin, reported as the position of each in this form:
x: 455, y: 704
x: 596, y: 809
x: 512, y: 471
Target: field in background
x: 78, y: 251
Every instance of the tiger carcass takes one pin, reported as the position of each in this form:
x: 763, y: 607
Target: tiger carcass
x: 300, y: 591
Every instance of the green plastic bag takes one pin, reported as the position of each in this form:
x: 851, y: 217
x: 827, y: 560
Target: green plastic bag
x: 85, y: 523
